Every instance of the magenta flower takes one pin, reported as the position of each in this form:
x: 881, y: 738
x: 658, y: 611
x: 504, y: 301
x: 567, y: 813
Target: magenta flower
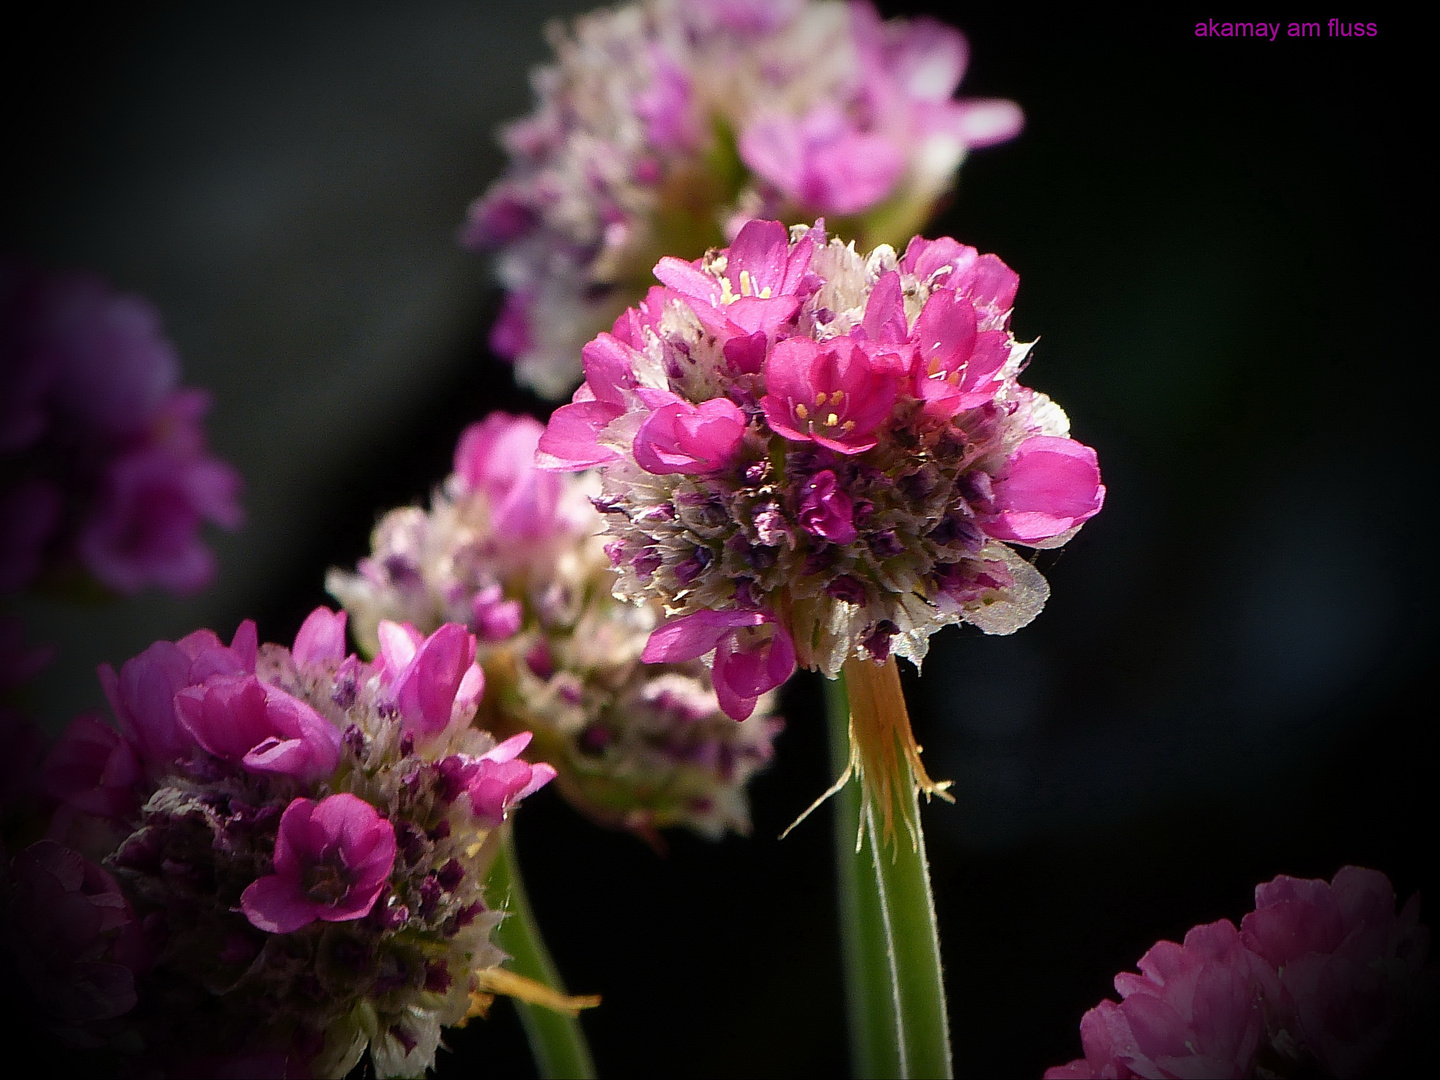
x: 240, y: 719
x: 682, y: 438
x: 823, y: 109
x: 878, y: 454
x: 834, y: 396
x: 106, y: 454
x: 321, y: 638
x: 254, y: 789
x: 826, y: 511
x: 93, y: 769
x: 429, y: 676
x: 332, y: 860
x: 498, y: 779
x: 493, y: 457
x: 1048, y: 487
x: 1318, y: 974
x: 749, y: 660
x: 143, y: 694
x: 1345, y: 962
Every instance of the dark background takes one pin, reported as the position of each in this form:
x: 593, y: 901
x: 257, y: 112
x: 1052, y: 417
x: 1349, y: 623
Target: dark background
x: 1220, y: 244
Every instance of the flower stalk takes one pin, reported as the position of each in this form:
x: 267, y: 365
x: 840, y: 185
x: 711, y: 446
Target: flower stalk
x: 555, y: 1035
x: 895, y: 993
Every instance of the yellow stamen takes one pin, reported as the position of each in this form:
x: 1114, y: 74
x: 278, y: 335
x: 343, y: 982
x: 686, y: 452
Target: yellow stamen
x: 498, y: 980
x: 884, y: 755
x: 802, y: 412
x: 832, y: 420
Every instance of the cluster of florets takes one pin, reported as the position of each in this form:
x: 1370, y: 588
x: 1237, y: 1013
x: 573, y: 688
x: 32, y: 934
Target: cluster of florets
x: 1314, y: 982
x: 810, y: 455
x: 104, y: 458
x: 666, y: 125
x: 514, y: 553
x: 291, y: 847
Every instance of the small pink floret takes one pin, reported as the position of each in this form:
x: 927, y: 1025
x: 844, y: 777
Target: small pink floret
x: 1048, y: 487
x: 695, y: 439
x: 321, y: 638
x: 499, y: 779
x: 261, y: 727
x: 835, y: 395
x: 753, y: 653
x: 333, y: 859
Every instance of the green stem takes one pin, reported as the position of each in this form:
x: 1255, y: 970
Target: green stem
x: 556, y: 1040
x: 895, y: 991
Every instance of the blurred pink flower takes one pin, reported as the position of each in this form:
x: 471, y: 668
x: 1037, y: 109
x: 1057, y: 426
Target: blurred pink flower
x: 1319, y: 976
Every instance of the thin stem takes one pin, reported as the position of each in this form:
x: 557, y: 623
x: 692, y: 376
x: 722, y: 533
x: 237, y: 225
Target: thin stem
x: 899, y: 1026
x: 869, y: 987
x: 556, y: 1040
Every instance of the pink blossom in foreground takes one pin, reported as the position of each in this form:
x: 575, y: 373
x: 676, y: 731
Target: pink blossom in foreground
x: 665, y: 125
x: 286, y: 824
x: 870, y: 454
x: 1318, y: 977
x: 332, y: 860
x: 513, y: 554
x: 104, y: 454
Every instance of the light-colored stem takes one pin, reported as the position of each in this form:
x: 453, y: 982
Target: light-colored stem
x: 896, y: 994
x: 557, y: 1041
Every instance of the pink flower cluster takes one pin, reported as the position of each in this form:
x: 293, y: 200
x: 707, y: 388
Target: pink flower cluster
x: 667, y: 124
x: 514, y: 553
x: 298, y: 832
x: 1318, y: 976
x: 104, y: 454
x: 809, y: 454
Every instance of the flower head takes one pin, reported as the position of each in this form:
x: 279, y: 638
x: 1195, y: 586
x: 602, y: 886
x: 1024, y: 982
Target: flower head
x: 879, y: 456
x: 104, y: 454
x: 514, y: 554
x: 304, y: 835
x: 665, y: 125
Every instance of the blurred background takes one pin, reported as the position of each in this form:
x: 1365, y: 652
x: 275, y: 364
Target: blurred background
x: 1219, y: 247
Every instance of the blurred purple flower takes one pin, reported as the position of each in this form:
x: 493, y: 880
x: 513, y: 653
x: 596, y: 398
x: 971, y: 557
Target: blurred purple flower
x: 105, y: 458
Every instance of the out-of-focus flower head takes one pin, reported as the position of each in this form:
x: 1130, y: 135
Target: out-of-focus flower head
x: 1316, y: 981
x: 303, y: 836
x: 809, y: 455
x: 103, y: 452
x: 665, y: 125
x: 515, y: 554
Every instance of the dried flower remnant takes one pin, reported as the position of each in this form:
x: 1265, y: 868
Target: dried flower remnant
x: 515, y: 553
x: 106, y: 469
x: 665, y: 125
x: 304, y: 837
x: 1315, y: 982
x: 816, y: 458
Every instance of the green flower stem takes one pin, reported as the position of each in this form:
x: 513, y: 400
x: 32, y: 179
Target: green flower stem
x: 556, y: 1040
x: 894, y: 988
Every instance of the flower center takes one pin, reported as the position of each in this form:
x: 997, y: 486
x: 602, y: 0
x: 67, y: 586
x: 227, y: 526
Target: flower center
x: 326, y: 882
x: 747, y: 288
x: 828, y: 410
